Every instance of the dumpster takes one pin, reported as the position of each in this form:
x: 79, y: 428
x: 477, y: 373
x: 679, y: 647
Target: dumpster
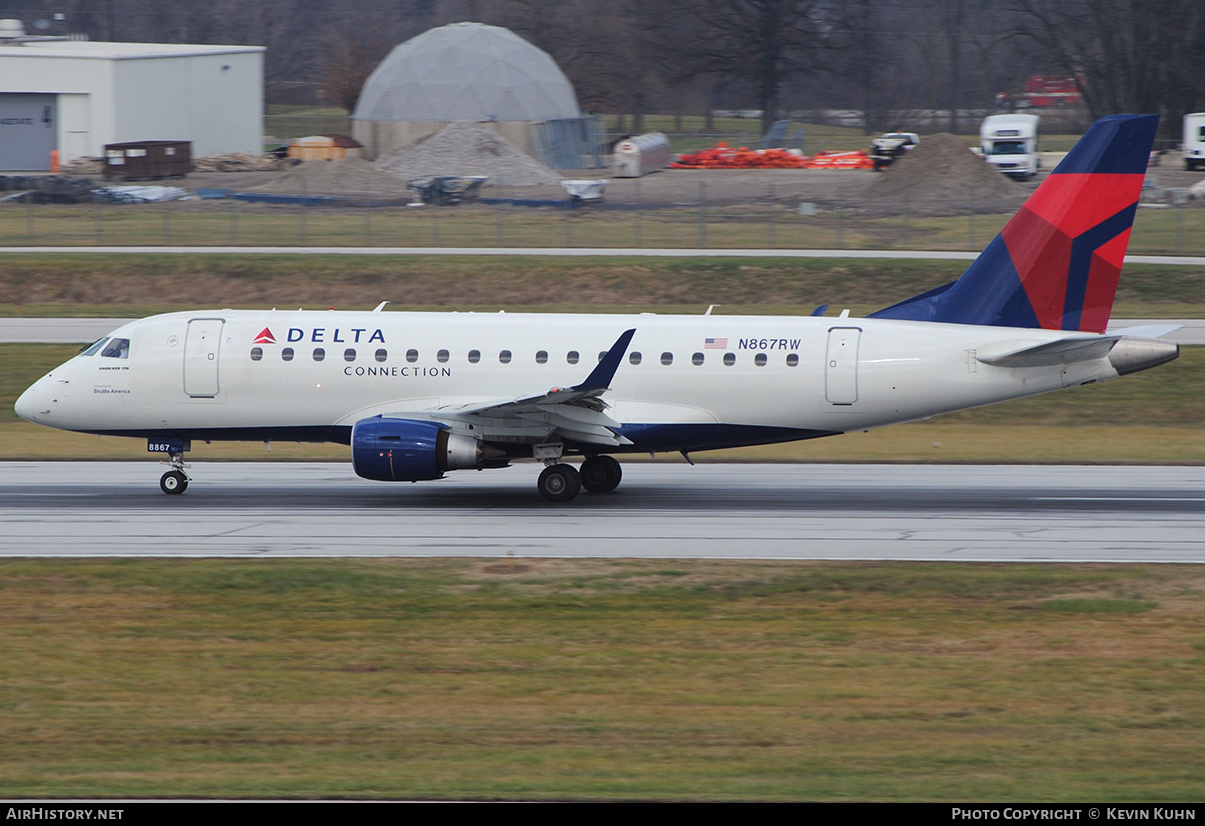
x: 147, y: 159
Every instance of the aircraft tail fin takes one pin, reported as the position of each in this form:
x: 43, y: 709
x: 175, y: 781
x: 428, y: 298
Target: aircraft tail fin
x: 1056, y: 263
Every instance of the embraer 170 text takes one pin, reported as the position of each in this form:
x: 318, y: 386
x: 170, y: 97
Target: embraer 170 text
x: 416, y: 395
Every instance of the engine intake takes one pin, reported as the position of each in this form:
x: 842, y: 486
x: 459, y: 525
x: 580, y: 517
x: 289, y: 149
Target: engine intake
x: 404, y: 450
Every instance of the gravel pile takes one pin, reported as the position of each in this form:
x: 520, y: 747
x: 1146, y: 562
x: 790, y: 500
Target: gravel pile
x: 348, y: 177
x: 468, y: 149
x: 941, y: 176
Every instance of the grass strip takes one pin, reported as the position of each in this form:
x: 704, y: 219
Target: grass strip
x: 137, y: 285
x: 773, y: 223
x: 578, y: 679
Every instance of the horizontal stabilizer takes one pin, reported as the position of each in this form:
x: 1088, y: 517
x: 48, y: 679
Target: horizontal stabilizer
x: 1126, y: 354
x: 1066, y: 351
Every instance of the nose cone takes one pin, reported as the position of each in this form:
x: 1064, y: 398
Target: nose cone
x: 34, y: 404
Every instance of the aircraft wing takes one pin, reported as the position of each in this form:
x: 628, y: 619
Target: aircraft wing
x: 576, y: 413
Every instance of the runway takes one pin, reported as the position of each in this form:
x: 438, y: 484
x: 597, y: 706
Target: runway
x: 663, y: 510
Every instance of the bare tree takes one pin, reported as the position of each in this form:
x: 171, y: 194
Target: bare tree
x: 1129, y: 55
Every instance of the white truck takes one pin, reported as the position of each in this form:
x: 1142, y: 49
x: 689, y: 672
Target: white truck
x: 889, y: 148
x: 1194, y: 141
x: 1010, y: 143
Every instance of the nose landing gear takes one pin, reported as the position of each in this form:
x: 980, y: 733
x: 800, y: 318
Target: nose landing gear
x: 175, y: 481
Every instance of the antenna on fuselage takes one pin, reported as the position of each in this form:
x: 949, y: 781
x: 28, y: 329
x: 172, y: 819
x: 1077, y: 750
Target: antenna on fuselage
x: 380, y: 307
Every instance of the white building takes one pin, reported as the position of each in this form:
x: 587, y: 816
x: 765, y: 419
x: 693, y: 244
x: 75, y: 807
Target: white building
x: 77, y: 96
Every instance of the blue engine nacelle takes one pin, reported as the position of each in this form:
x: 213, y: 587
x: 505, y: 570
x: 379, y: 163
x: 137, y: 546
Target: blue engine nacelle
x: 404, y: 450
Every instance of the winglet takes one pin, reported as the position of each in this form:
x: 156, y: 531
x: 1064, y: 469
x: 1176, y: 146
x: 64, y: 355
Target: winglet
x: 600, y: 377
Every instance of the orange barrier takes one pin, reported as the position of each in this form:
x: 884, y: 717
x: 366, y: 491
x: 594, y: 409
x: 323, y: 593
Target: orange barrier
x: 842, y: 160
x: 725, y: 157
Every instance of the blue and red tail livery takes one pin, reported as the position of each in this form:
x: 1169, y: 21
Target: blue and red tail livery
x: 1055, y: 265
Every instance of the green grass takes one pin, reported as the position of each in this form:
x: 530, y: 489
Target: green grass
x: 564, y: 679
x: 133, y: 285
x: 770, y: 225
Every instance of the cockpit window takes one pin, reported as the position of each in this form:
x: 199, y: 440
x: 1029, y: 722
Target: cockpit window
x: 118, y: 348
x: 95, y: 348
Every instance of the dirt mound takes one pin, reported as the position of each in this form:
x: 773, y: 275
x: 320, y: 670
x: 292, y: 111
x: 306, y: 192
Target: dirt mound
x: 941, y: 176
x: 468, y: 149
x: 348, y: 177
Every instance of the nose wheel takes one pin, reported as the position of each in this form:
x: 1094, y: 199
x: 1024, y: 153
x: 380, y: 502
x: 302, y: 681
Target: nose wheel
x: 175, y: 481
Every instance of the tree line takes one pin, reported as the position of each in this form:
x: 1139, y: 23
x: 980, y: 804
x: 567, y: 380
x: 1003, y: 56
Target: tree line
x: 692, y: 57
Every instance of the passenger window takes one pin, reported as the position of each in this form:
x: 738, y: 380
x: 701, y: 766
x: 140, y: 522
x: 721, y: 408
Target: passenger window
x: 381, y: 354
x: 760, y: 359
x: 257, y: 353
x: 792, y: 359
x: 349, y: 354
x: 95, y: 348
x: 602, y: 355
x: 474, y: 356
x: 118, y: 348
x: 412, y: 355
x: 504, y: 357
x: 634, y: 358
x: 541, y: 357
x: 572, y: 356
x: 667, y: 359
x: 696, y: 359
x: 729, y: 359
x: 319, y: 354
x: 442, y: 356
x: 286, y: 354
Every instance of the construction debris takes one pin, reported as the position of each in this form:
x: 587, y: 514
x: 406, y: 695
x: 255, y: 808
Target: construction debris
x: 83, y: 165
x: 236, y: 162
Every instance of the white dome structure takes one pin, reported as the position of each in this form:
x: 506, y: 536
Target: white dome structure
x: 461, y: 72
x: 467, y: 71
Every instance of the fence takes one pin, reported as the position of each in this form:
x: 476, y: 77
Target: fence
x: 713, y: 218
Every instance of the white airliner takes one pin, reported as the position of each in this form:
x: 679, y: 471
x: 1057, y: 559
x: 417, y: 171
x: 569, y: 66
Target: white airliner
x: 418, y: 394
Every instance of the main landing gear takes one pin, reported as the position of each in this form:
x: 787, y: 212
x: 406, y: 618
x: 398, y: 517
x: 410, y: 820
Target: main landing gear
x: 561, y: 482
x: 175, y: 481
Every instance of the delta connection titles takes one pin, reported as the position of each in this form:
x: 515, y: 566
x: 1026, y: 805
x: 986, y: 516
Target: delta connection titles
x: 1096, y: 813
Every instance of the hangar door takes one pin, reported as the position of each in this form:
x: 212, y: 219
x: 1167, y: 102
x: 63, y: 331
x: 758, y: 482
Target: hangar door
x: 28, y: 131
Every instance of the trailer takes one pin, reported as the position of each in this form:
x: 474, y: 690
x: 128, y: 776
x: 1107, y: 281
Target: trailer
x: 1194, y: 141
x: 639, y: 155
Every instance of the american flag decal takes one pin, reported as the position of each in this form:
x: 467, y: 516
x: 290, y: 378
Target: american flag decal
x: 715, y: 344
